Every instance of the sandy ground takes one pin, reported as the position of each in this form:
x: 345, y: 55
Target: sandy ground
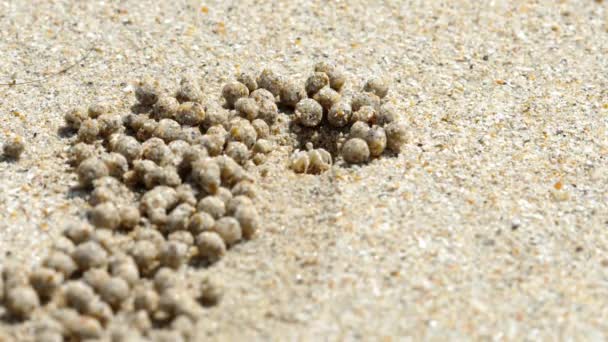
x: 490, y: 225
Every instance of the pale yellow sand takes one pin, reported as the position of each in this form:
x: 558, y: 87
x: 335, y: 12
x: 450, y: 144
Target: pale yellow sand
x: 492, y: 224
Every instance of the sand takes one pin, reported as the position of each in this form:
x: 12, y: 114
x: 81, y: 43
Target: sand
x: 490, y: 224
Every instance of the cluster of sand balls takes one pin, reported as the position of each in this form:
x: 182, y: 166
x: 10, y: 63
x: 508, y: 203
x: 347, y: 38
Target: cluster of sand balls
x: 364, y: 126
x: 169, y: 186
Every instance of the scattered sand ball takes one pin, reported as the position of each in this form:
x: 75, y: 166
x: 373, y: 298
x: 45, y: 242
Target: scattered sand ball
x: 147, y: 92
x: 129, y: 216
x: 168, y: 130
x: 309, y: 113
x: 190, y: 114
x: 79, y: 295
x: 207, y: 175
x: 91, y: 169
x: 316, y: 82
x: 339, y: 114
x: 262, y: 146
x: 128, y: 146
x: 90, y: 254
x: 79, y: 152
x: 365, y: 99
x: 359, y: 130
x: 45, y: 281
x: 99, y: 108
x: 116, y: 164
x: 14, y: 147
x: 213, y: 143
x: 109, y: 124
x: 109, y: 189
x: 146, y: 255
x: 327, y: 97
x: 201, y: 222
x: 376, y: 141
x: 75, y: 117
x: 355, y: 151
x: 134, y: 121
x: 247, y: 108
x: 335, y: 74
x: 156, y: 202
x: 378, y: 86
x: 268, y: 111
x: 224, y: 194
x: 261, y: 95
x: 213, y: 206
x: 105, y: 215
x: 147, y: 129
x: 231, y: 172
x: 76, y: 326
x: 292, y: 93
x: 229, y: 229
x: 174, y: 254
x: 245, y: 188
x: 178, y: 218
x: 244, y: 132
x: 63, y: 244
x: 396, y: 136
x: 365, y: 114
x: 236, y: 202
x: 61, y: 262
x: 248, y: 80
x: 248, y: 219
x: 386, y: 114
x: 210, y: 293
x: 270, y: 81
x: 114, y: 291
x: 88, y: 131
x: 21, y: 301
x: 165, y: 107
x: 145, y: 299
x: 261, y: 128
x: 156, y: 150
x: 238, y: 151
x: 214, y: 115
x: 234, y: 91
x: 123, y: 266
x: 189, y: 90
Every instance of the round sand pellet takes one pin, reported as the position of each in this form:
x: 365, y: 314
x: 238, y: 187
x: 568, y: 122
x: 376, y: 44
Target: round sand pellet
x: 247, y: 108
x: 316, y: 82
x: 337, y: 78
x: 248, y: 80
x: 14, y: 147
x: 396, y: 136
x: 21, y: 301
x: 327, y: 97
x: 376, y: 141
x: 309, y: 113
x: 292, y: 93
x: 234, y: 91
x: 339, y: 114
x: 190, y: 114
x: 229, y: 229
x: 210, y: 245
x: 355, y: 151
x: 91, y: 169
x: 378, y: 86
x: 270, y: 81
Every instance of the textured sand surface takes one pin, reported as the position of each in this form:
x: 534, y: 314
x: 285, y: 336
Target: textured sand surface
x: 490, y: 225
